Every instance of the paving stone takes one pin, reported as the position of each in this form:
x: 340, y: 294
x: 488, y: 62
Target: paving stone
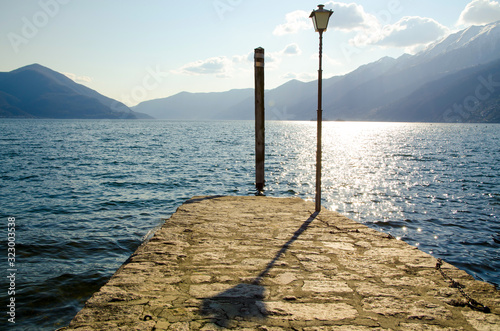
x: 311, y: 311
x: 326, y: 286
x: 284, y: 278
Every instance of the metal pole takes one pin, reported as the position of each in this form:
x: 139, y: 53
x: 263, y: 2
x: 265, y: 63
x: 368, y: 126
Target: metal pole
x: 319, y: 130
x: 259, y: 121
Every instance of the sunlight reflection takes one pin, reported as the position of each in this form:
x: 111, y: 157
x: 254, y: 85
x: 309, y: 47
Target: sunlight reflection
x: 355, y: 169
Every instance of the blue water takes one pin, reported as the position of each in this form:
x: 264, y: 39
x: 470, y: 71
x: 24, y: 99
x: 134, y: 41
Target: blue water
x: 85, y: 193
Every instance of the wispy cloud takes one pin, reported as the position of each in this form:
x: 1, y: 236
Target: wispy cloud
x: 295, y: 21
x: 222, y: 66
x: 273, y: 59
x: 219, y: 66
x: 78, y: 79
x: 292, y: 49
x: 412, y: 31
x: 480, y: 12
x: 327, y: 59
x: 305, y: 77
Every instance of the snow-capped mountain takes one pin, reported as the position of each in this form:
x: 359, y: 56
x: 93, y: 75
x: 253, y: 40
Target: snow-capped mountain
x: 475, y: 36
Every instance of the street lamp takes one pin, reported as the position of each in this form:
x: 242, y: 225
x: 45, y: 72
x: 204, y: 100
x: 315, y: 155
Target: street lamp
x: 320, y: 19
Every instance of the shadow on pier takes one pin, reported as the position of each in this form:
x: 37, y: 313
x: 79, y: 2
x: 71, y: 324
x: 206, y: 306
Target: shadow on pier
x: 245, y: 301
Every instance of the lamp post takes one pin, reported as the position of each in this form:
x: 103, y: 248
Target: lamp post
x: 320, y: 19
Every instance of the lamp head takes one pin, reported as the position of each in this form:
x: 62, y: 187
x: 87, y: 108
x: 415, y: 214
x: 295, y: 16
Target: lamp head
x: 320, y: 18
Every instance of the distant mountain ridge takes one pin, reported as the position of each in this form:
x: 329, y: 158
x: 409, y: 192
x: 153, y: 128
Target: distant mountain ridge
x: 469, y: 95
x: 35, y: 91
x: 372, y: 91
x: 194, y: 106
x: 456, y: 79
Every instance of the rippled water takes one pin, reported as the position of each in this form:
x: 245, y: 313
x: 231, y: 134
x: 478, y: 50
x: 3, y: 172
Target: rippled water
x: 86, y: 193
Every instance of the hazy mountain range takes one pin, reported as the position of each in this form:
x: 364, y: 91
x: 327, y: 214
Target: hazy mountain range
x: 35, y: 91
x: 454, y: 80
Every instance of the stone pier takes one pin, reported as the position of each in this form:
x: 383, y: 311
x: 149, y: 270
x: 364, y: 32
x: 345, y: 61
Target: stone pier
x: 259, y: 263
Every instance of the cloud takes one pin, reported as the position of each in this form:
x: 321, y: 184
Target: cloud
x: 351, y: 17
x: 295, y: 21
x: 299, y: 76
x: 219, y: 66
x: 412, y: 31
x: 243, y: 58
x: 326, y: 59
x: 292, y: 49
x: 273, y: 59
x: 78, y: 79
x: 223, y: 67
x: 409, y: 32
x: 480, y: 12
x: 270, y: 57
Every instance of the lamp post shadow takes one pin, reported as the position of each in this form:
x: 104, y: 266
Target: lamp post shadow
x: 245, y: 300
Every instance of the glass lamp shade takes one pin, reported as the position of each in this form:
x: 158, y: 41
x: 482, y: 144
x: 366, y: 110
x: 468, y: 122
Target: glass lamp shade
x: 320, y: 18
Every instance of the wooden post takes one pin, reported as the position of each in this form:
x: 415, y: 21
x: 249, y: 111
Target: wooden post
x: 259, y: 121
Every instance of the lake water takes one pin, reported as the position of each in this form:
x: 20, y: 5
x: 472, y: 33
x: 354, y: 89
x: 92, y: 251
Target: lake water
x: 86, y: 193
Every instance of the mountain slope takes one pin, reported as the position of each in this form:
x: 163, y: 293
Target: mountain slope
x: 482, y: 41
x: 190, y: 106
x: 469, y: 96
x: 276, y: 101
x: 39, y: 92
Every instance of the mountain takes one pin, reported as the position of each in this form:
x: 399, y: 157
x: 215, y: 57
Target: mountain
x: 468, y: 96
x: 435, y: 85
x: 276, y: 101
x: 190, y: 106
x: 35, y: 91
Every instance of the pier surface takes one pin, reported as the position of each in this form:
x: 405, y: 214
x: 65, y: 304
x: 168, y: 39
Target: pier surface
x: 260, y: 263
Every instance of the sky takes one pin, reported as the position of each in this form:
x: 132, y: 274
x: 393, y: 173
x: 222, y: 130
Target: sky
x: 135, y: 51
